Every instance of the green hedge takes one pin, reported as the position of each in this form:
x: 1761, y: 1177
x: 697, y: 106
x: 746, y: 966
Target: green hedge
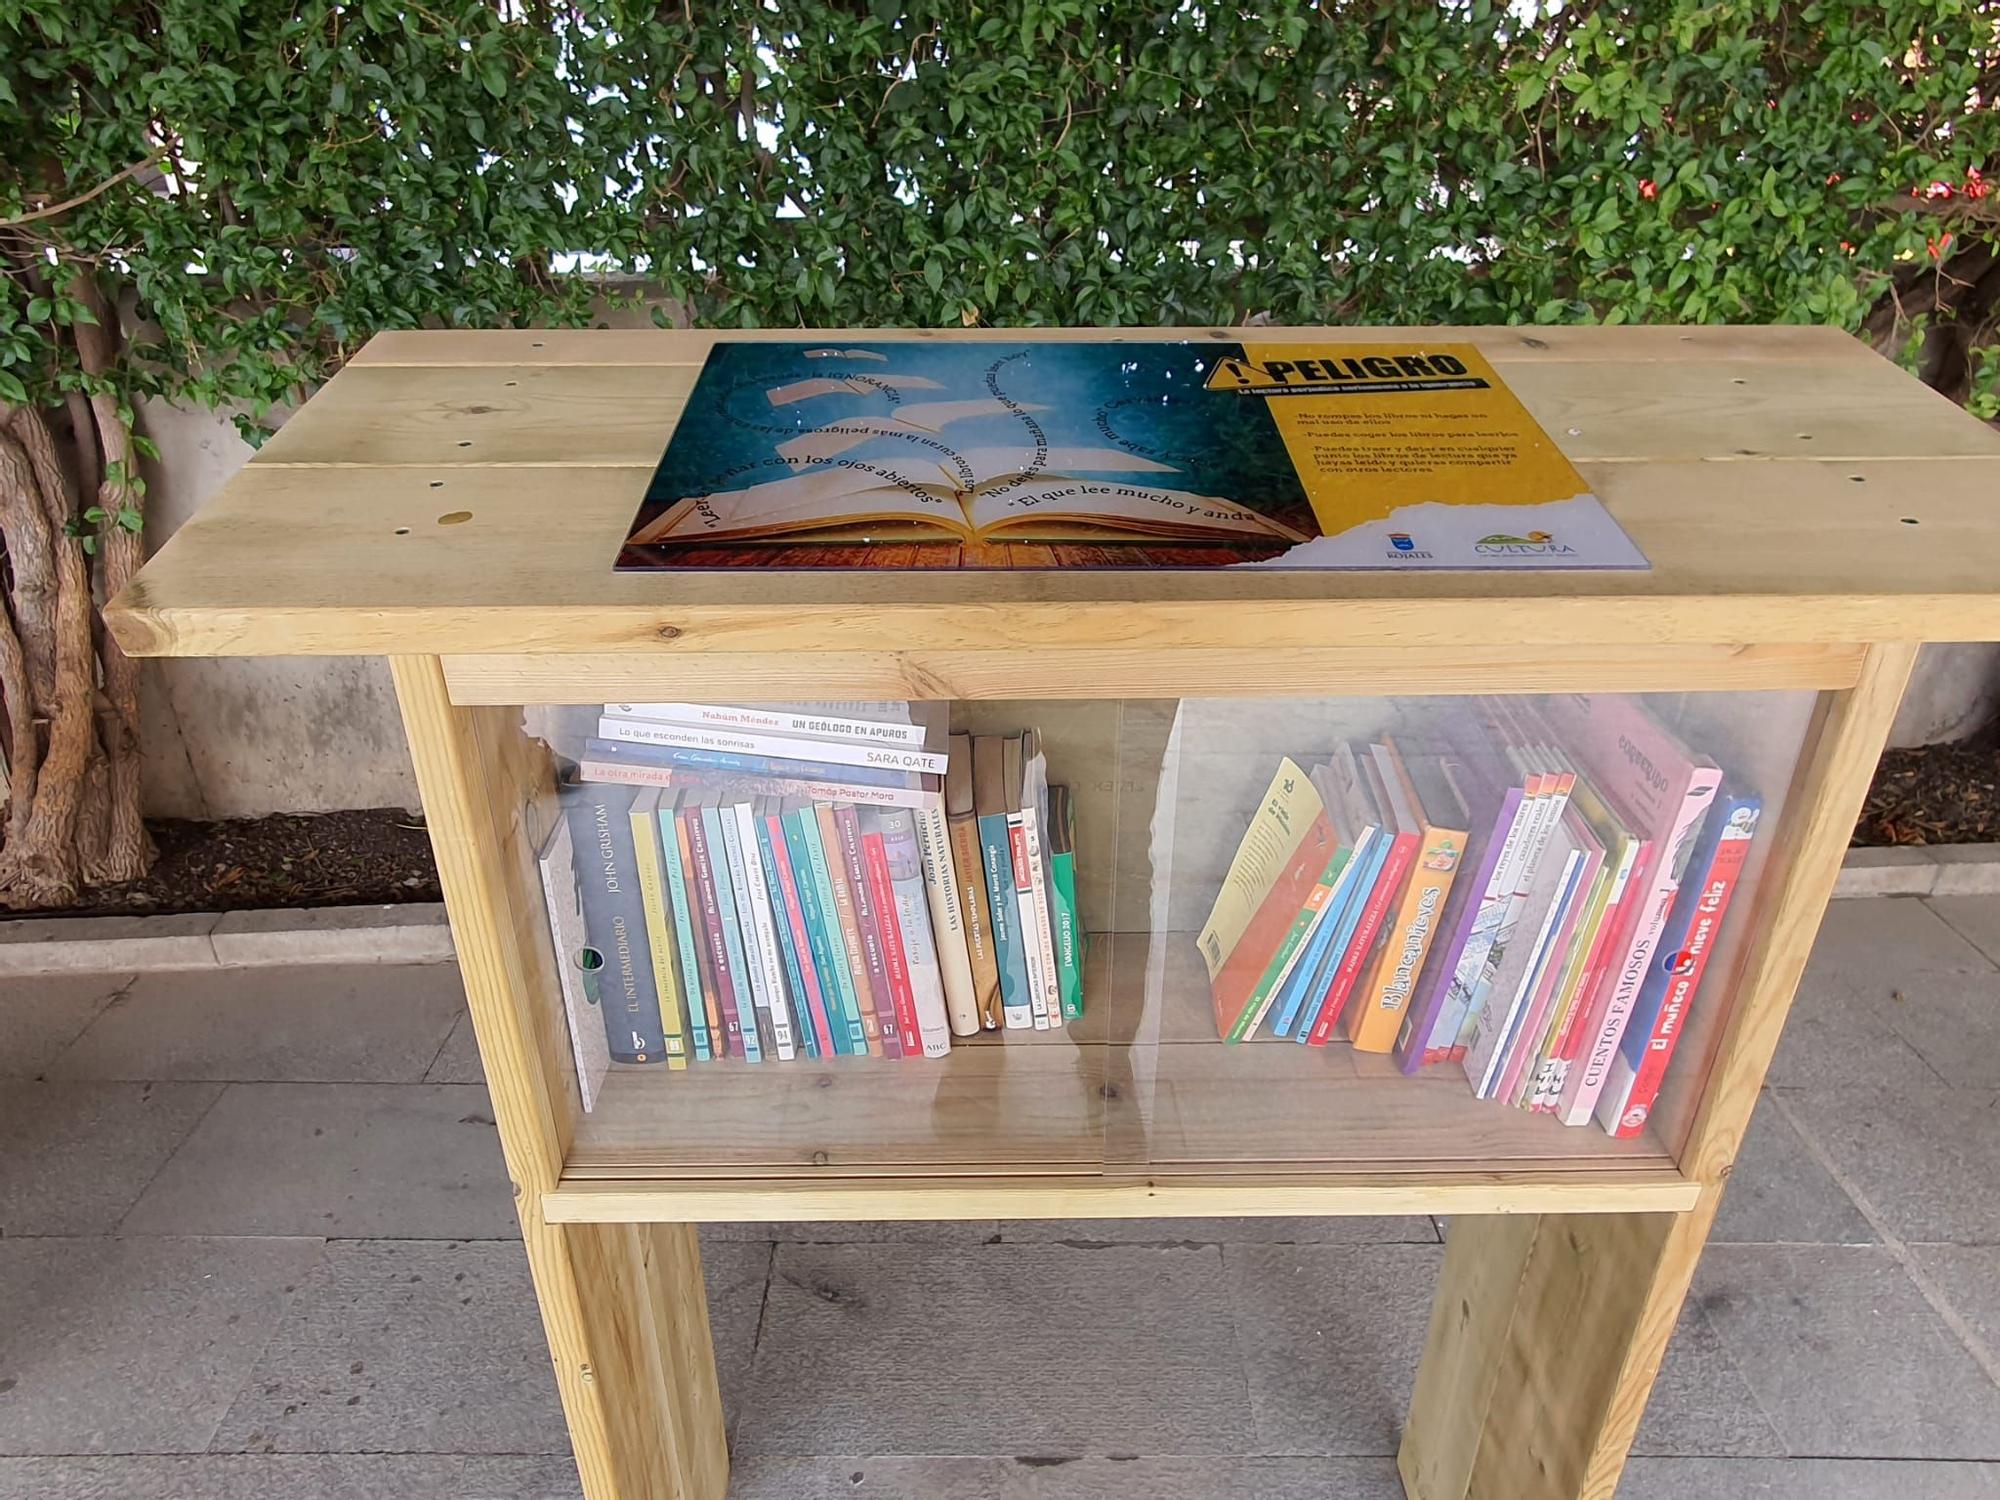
x: 341, y: 168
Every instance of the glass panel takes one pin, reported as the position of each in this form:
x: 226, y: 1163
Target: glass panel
x: 1154, y: 936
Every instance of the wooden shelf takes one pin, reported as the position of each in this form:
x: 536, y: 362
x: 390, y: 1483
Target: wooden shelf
x: 1134, y: 1103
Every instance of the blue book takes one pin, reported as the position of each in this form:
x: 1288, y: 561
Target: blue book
x: 1306, y: 977
x: 682, y: 912
x: 714, y: 829
x: 809, y: 907
x: 780, y: 920
x: 744, y: 765
x: 847, y: 981
x: 1350, y: 918
x: 614, y: 920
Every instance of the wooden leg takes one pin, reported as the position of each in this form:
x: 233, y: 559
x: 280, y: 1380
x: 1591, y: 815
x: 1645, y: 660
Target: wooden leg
x: 622, y: 1304
x: 1545, y: 1337
x: 1548, y: 1329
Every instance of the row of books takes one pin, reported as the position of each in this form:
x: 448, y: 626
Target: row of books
x: 1529, y: 890
x: 771, y: 882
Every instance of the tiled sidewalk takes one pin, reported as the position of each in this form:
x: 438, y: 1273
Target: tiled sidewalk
x: 255, y: 1240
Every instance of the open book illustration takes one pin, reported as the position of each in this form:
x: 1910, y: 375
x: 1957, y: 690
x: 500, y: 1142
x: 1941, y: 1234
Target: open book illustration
x: 1112, y: 454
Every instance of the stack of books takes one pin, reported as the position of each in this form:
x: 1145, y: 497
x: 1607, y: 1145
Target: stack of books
x: 787, y: 881
x: 1530, y: 891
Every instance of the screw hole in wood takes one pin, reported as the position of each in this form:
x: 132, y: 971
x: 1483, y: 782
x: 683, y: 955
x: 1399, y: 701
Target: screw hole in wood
x: 454, y: 517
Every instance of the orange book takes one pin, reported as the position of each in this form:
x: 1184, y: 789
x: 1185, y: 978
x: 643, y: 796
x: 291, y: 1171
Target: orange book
x: 1425, y: 786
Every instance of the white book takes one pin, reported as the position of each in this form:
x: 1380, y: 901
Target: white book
x: 1027, y: 930
x: 947, y: 910
x: 913, y: 923
x: 758, y: 983
x: 770, y: 959
x: 1521, y: 968
x: 1034, y: 813
x: 785, y: 747
x: 586, y: 1024
x: 755, y: 718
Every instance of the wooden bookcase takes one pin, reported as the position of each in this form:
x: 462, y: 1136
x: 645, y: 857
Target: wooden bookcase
x: 453, y: 501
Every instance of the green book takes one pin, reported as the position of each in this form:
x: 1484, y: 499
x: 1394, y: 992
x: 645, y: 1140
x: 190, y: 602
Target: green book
x: 1063, y: 908
x: 829, y: 931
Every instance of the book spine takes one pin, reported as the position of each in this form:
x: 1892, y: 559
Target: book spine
x: 1388, y: 885
x: 769, y: 954
x: 753, y: 783
x: 1547, y: 815
x: 1500, y: 1012
x: 1284, y: 960
x: 997, y: 863
x: 1612, y: 935
x: 713, y: 1005
x: 868, y: 922
x: 909, y: 892
x: 726, y: 765
x: 850, y: 930
x: 746, y: 930
x: 710, y: 891
x: 743, y: 719
x: 1586, y: 1081
x: 823, y: 931
x: 1040, y: 909
x: 1024, y: 924
x: 895, y: 758
x: 557, y: 864
x: 742, y: 978
x: 659, y: 938
x: 1486, y: 925
x: 947, y: 920
x: 798, y: 945
x: 614, y: 924
x: 1321, y: 955
x: 1069, y: 934
x: 969, y: 868
x: 882, y: 899
x: 792, y: 960
x: 1377, y: 1024
x: 1426, y: 1017
x: 1637, y: 1071
x: 674, y: 855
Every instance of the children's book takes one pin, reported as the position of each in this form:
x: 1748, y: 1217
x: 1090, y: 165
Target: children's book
x: 1679, y: 961
x: 1033, y: 452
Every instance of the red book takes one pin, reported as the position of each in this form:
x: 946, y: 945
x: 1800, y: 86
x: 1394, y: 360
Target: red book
x: 883, y: 896
x: 795, y: 919
x: 711, y: 1004
x: 869, y: 921
x: 1395, y: 870
x: 711, y: 923
x: 1236, y: 984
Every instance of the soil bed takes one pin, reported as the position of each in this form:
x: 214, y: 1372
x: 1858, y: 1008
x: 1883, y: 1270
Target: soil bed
x: 1937, y: 794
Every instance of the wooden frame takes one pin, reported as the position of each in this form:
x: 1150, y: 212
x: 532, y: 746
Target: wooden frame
x: 1775, y: 567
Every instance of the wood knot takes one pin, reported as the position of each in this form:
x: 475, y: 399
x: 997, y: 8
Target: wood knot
x: 1535, y: 343
x: 668, y: 632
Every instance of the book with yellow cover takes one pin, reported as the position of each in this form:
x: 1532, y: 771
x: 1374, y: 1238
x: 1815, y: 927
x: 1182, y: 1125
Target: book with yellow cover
x: 1110, y: 453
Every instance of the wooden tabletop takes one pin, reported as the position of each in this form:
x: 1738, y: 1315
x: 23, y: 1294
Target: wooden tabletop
x: 467, y: 492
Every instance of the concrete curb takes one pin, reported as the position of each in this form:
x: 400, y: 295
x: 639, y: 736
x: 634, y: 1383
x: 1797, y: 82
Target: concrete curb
x: 412, y: 934
x: 418, y: 934
x: 1940, y: 870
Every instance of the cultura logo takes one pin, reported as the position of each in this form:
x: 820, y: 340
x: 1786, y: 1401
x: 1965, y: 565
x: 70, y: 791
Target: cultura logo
x: 1534, y: 544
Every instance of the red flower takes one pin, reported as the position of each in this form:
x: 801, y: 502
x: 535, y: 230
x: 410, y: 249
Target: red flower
x: 1832, y: 178
x: 1648, y: 188
x: 1976, y: 186
x: 1938, y: 190
x: 1939, y: 245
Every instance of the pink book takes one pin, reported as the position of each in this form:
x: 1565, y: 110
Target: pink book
x: 1663, y: 790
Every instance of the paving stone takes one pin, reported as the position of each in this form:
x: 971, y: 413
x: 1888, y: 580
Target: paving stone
x: 1952, y: 1021
x: 1845, y: 1356
x: 1870, y: 942
x: 259, y: 1476
x: 1967, y: 871
x: 314, y: 1023
x: 1330, y: 1342
x: 1835, y: 1039
x: 1927, y: 1161
x: 735, y: 1277
x: 1062, y: 1477
x: 404, y: 1346
x: 1700, y: 1402
x: 1806, y: 1479
x: 1974, y: 918
x: 864, y: 1232
x: 1335, y: 1230
x: 348, y: 1160
x: 1021, y: 1349
x: 1779, y: 1194
x: 134, y: 1345
x: 74, y: 1157
x: 1969, y: 1277
x: 458, y: 1060
x: 41, y: 1016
